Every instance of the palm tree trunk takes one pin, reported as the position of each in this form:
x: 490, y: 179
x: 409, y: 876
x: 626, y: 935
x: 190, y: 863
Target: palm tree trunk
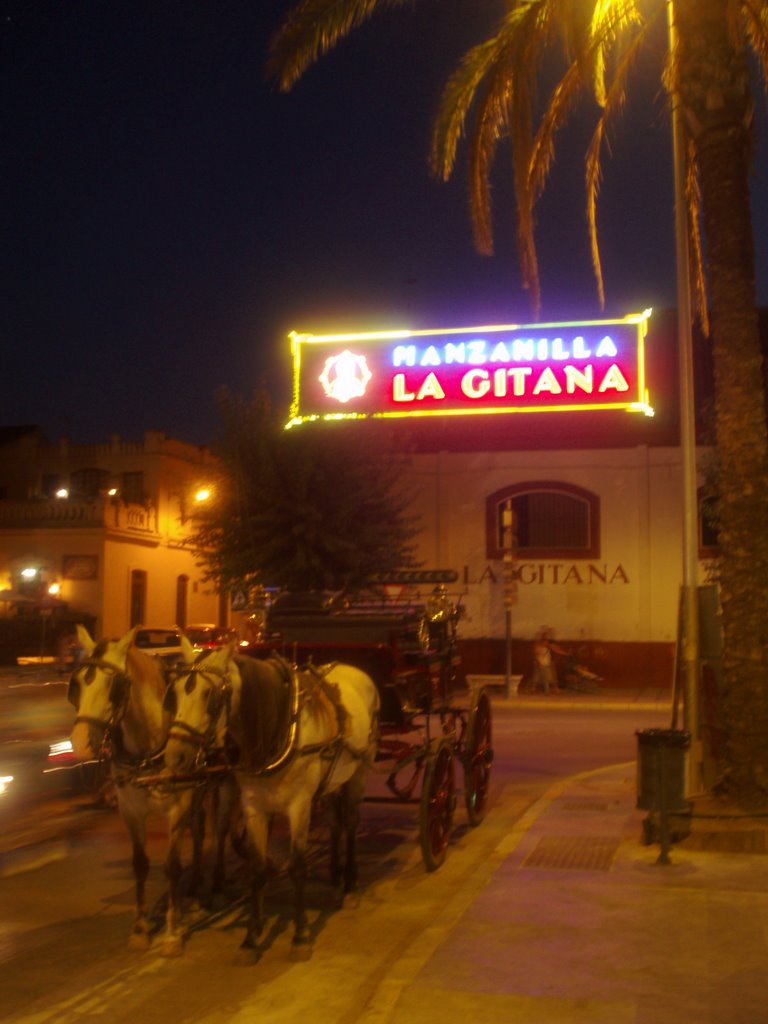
x: 715, y: 97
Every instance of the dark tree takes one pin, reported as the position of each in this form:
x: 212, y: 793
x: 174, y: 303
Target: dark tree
x: 316, y: 507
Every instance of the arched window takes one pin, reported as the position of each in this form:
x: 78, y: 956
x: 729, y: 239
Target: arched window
x: 551, y: 520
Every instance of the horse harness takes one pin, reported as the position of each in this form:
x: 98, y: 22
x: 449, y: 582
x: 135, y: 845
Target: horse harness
x: 306, y: 685
x: 303, y: 686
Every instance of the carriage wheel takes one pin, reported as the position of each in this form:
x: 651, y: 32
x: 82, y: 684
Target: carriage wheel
x: 438, y: 800
x: 477, y: 759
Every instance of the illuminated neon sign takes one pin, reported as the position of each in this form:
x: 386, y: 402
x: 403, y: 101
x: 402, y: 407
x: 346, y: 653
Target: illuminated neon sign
x: 511, y: 368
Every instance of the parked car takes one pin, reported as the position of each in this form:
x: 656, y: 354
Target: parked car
x: 205, y: 636
x: 164, y: 643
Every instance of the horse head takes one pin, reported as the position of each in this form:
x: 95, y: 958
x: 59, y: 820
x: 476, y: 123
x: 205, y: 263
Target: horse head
x: 99, y: 689
x: 201, y: 698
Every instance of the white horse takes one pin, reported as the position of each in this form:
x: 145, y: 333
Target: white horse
x: 118, y: 693
x: 297, y: 736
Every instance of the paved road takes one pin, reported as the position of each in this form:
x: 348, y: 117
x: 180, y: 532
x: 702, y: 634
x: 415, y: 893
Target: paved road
x: 65, y: 923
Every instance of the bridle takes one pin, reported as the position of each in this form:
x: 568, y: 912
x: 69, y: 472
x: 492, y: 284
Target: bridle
x: 119, y: 690
x: 219, y: 700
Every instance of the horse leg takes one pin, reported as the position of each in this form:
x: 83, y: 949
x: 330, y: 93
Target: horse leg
x: 336, y: 826
x: 133, y: 811
x: 178, y: 817
x: 349, y: 799
x: 225, y: 804
x: 139, y: 937
x: 197, y: 814
x: 351, y: 821
x: 256, y: 823
x: 299, y: 817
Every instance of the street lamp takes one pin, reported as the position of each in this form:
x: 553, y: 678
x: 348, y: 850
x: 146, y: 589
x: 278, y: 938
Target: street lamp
x: 689, y: 609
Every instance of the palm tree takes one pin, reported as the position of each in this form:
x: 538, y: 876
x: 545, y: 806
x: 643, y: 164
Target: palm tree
x: 492, y: 96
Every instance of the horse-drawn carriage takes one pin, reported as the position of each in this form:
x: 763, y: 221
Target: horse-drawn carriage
x: 429, y: 722
x: 333, y: 687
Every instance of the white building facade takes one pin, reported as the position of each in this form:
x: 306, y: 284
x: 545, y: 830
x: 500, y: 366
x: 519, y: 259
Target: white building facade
x: 102, y: 531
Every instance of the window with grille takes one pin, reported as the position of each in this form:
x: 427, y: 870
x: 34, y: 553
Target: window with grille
x: 132, y: 489
x: 138, y: 600
x: 88, y: 483
x: 182, y: 596
x: 551, y: 520
x: 49, y: 484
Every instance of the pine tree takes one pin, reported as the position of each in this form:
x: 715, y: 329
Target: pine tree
x: 312, y: 508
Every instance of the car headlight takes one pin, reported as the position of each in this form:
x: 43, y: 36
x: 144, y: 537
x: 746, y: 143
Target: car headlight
x: 61, y: 749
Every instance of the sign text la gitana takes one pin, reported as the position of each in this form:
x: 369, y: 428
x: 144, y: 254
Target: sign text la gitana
x: 509, y: 368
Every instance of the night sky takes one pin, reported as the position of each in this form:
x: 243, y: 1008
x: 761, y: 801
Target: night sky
x: 168, y: 216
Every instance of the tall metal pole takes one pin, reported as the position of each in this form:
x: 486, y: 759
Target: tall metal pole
x: 510, y: 586
x: 690, y: 651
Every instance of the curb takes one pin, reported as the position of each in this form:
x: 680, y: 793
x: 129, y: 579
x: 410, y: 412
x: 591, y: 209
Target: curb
x: 382, y: 1005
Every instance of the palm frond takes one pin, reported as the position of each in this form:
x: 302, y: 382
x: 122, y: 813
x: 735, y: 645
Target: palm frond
x: 584, y: 41
x: 455, y: 103
x: 593, y: 178
x: 698, y: 282
x: 498, y: 78
x: 609, y: 18
x: 613, y: 103
x: 480, y: 64
x: 755, y: 20
x: 562, y: 100
x: 481, y: 151
x: 313, y: 28
x: 573, y: 24
x: 521, y: 133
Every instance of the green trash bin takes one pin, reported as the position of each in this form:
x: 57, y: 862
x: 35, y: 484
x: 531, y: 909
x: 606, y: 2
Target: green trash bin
x: 661, y: 762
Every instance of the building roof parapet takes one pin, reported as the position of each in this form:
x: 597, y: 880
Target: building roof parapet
x: 113, y: 516
x: 154, y: 442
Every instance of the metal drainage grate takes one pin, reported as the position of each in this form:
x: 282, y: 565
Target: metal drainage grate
x: 583, y: 853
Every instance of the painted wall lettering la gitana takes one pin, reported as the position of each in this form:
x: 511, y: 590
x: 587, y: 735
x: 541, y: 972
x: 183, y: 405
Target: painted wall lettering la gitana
x: 550, y: 573
x: 596, y: 364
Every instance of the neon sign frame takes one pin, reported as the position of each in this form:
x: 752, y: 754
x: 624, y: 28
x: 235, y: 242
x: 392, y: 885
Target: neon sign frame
x: 571, y: 366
